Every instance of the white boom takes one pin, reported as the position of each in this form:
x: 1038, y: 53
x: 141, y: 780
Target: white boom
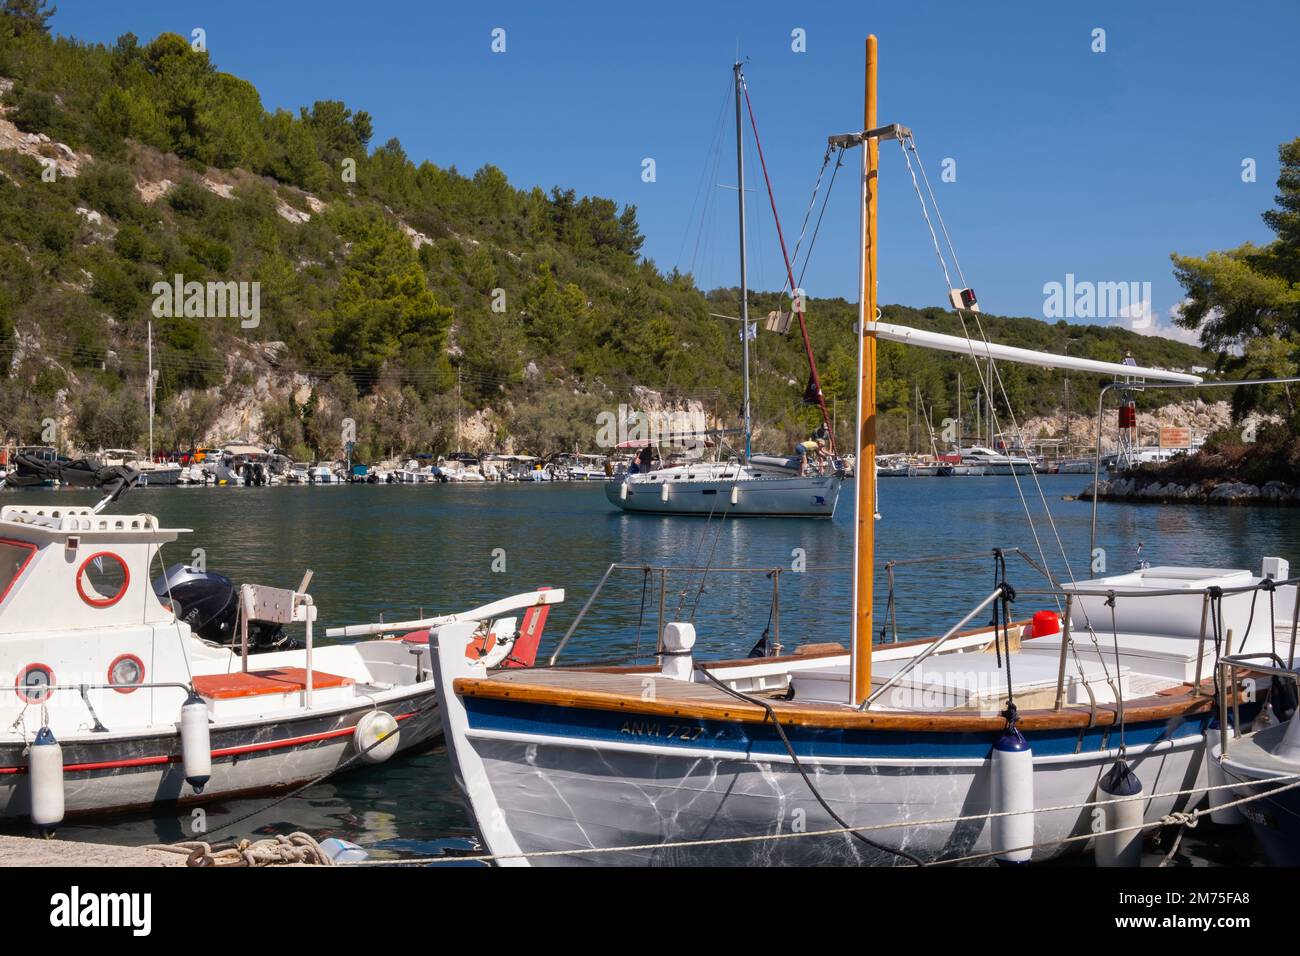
x: 1009, y: 353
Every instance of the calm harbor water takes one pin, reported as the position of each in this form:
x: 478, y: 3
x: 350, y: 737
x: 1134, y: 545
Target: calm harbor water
x: 397, y: 550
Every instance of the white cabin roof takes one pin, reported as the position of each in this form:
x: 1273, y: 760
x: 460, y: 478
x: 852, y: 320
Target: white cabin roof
x: 40, y: 525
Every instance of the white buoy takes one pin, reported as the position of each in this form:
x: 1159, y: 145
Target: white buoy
x: 622, y: 491
x: 45, y: 774
x: 1119, y: 813
x: 373, y: 726
x: 196, y: 742
x: 735, y: 494
x: 1012, y: 786
x: 1231, y: 816
x: 1216, y: 777
x: 663, y: 491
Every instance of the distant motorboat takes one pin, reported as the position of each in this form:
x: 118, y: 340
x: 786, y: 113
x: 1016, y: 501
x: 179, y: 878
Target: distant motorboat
x: 324, y: 473
x: 1076, y: 466
x: 151, y: 472
x: 996, y: 462
x: 888, y: 466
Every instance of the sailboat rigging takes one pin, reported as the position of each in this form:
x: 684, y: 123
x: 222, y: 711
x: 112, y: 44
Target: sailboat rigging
x: 939, y: 748
x: 804, y: 485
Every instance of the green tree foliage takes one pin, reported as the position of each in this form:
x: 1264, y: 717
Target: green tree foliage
x: 109, y: 418
x: 402, y: 296
x: 1246, y: 301
x: 384, y: 309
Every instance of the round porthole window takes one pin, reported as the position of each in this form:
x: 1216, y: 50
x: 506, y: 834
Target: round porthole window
x: 102, y: 579
x: 126, y: 673
x: 34, y: 683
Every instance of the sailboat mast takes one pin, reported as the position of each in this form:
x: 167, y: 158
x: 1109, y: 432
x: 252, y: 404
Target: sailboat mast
x: 149, y: 388
x: 744, y: 285
x: 865, y: 530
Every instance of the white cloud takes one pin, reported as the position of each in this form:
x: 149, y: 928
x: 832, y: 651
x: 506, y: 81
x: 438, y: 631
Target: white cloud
x: 1152, y: 324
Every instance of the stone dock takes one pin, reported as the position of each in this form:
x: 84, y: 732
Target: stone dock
x: 1148, y: 488
x: 33, y: 851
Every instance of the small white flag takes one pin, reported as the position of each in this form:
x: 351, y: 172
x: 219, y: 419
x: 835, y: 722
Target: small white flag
x: 753, y: 331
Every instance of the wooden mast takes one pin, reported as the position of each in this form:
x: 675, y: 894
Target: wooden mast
x: 864, y: 558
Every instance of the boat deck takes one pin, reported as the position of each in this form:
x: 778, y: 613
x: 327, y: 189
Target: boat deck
x: 650, y: 693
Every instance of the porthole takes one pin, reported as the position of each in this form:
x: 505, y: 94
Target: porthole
x: 126, y: 673
x: 102, y: 579
x: 34, y: 683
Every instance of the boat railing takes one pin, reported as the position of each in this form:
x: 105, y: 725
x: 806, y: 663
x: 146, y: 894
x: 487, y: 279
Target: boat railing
x: 890, y: 625
x: 1230, y: 665
x: 932, y: 647
x: 1209, y: 595
x: 661, y: 572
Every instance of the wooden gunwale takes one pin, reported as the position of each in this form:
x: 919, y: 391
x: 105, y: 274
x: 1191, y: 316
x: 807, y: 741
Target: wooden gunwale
x: 1174, y: 703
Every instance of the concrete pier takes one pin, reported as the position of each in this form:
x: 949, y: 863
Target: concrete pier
x: 32, y: 851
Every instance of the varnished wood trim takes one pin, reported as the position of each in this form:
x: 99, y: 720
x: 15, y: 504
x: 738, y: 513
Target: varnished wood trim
x: 807, y: 714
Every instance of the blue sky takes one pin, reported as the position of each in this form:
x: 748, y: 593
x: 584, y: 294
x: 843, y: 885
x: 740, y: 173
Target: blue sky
x: 1067, y: 161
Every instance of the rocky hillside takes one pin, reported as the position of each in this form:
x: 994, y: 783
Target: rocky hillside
x: 296, y: 277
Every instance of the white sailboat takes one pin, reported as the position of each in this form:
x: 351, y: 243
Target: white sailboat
x: 751, y: 485
x: 993, y: 742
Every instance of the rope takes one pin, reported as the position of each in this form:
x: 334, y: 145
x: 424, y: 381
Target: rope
x: 780, y: 731
x: 297, y: 847
x: 789, y: 271
x: 1292, y: 781
x: 1170, y: 819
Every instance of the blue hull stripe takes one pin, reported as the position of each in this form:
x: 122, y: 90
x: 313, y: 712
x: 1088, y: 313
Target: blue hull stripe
x: 759, y: 739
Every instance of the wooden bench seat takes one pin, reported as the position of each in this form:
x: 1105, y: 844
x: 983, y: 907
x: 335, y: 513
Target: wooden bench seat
x: 275, y: 680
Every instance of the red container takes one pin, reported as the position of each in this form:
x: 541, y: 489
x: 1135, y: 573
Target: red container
x: 1045, y: 622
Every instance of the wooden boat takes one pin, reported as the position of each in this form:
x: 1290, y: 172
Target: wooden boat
x: 140, y: 711
x: 1251, y: 761
x: 965, y: 747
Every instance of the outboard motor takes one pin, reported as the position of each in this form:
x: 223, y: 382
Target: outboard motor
x: 209, y: 603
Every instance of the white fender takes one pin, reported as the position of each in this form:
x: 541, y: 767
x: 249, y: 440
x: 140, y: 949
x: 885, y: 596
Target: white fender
x: 377, y: 725
x: 45, y: 775
x: 1120, y: 812
x: 1012, y: 789
x: 196, y: 742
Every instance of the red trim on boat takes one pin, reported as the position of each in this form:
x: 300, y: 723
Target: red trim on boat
x: 224, y: 752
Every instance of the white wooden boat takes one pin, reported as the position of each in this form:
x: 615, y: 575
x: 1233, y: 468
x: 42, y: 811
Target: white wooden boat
x: 143, y: 712
x: 973, y: 745
x: 1252, y: 762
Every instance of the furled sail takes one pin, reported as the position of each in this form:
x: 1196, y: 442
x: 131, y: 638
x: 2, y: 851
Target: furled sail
x: 1010, y: 353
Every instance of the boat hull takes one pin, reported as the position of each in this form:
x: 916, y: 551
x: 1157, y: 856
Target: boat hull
x: 546, y: 779
x: 118, y: 773
x: 800, y: 497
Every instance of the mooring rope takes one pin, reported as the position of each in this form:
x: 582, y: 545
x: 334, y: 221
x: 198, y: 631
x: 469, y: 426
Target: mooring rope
x: 297, y: 847
x: 1291, y: 781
